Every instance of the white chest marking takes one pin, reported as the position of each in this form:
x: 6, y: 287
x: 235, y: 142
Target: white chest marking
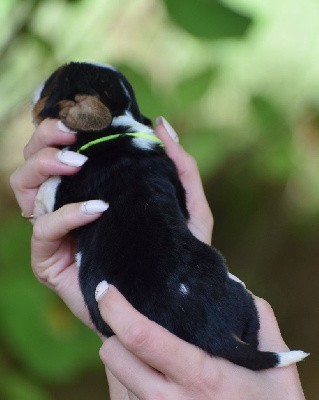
x: 45, y: 199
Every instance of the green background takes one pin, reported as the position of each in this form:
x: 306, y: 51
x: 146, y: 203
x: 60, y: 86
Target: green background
x: 239, y: 81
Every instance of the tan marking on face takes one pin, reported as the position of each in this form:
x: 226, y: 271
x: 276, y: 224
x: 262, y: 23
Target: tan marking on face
x: 38, y: 107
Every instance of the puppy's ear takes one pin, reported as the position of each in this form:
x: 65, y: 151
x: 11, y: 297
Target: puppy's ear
x: 147, y: 121
x: 85, y: 113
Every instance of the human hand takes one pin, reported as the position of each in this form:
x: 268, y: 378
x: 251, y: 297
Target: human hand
x: 52, y: 249
x: 200, y: 216
x: 154, y: 364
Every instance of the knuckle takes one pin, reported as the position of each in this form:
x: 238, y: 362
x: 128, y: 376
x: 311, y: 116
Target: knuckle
x: 38, y: 230
x: 210, y: 219
x: 26, y: 150
x: 13, y: 180
x: 107, y: 349
x: 42, y: 131
x: 136, y: 336
x: 159, y: 394
x: 43, y: 156
x: 63, y: 213
x: 264, y: 308
x: 205, y: 381
x: 191, y: 161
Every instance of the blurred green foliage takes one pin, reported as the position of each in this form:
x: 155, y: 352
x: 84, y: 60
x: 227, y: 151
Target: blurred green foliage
x: 208, y: 19
x: 238, y: 80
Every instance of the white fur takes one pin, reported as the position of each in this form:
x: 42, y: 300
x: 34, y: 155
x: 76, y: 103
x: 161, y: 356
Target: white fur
x: 45, y: 199
x: 290, y: 357
x: 144, y: 143
x: 37, y: 94
x: 183, y: 289
x: 78, y: 258
x: 234, y: 278
x: 107, y: 66
x: 125, y: 90
x: 128, y: 121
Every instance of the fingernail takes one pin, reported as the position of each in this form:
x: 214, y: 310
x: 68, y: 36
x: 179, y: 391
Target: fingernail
x: 94, y: 207
x: 71, y: 158
x: 100, y: 290
x: 169, y: 129
x: 64, y: 128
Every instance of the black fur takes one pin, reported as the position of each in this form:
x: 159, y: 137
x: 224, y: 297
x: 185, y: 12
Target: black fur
x: 142, y: 244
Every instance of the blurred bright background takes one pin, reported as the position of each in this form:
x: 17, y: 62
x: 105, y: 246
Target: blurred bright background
x: 239, y: 81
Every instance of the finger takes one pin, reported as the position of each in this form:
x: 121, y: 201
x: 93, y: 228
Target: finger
x: 53, y: 260
x: 50, y: 133
x: 50, y: 229
x: 148, y: 341
x: 26, y: 180
x: 137, y: 376
x: 269, y: 334
x: 186, y: 165
x: 116, y: 389
x: 197, y: 204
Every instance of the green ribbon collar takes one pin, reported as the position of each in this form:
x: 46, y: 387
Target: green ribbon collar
x: 116, y: 136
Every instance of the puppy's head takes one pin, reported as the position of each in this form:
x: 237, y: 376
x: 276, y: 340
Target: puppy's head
x: 87, y: 97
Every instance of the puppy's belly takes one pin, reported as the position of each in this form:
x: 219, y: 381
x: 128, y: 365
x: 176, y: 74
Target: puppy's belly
x: 45, y: 199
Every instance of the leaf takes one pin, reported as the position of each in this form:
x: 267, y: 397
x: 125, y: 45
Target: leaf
x: 150, y: 101
x: 14, y: 262
x: 14, y: 386
x: 44, y: 45
x: 275, y: 158
x: 208, y: 147
x: 207, y: 19
x: 195, y: 87
x: 42, y: 333
x: 35, y: 324
x: 270, y: 118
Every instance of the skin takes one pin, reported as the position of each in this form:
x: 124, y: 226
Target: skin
x: 143, y: 360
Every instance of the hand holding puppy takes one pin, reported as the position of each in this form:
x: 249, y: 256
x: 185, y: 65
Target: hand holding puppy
x: 154, y: 364
x: 195, y: 374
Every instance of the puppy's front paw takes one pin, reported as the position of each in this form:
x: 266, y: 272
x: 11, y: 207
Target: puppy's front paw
x: 85, y: 113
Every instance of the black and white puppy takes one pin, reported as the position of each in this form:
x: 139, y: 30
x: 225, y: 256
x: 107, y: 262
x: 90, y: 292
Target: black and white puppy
x: 142, y: 244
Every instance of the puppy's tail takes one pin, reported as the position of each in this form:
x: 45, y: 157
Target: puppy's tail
x: 249, y: 357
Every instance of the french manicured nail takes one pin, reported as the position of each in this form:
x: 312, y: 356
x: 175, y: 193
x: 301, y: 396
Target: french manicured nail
x: 94, y: 207
x: 100, y: 290
x: 170, y: 130
x: 71, y: 158
x: 63, y: 128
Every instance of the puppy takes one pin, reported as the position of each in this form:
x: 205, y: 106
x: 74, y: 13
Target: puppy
x: 142, y: 244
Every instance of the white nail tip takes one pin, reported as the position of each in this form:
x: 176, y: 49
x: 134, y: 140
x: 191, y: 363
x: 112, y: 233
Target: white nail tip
x: 170, y: 130
x: 71, y: 158
x: 100, y: 290
x: 64, y: 128
x: 94, y: 207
